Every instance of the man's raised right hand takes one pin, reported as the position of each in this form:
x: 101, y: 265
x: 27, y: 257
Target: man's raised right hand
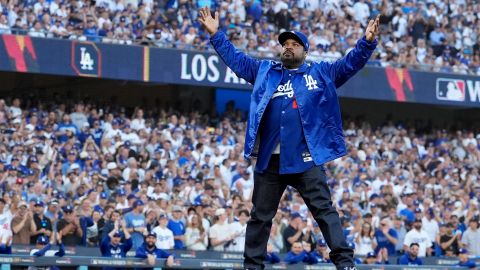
x: 209, y: 23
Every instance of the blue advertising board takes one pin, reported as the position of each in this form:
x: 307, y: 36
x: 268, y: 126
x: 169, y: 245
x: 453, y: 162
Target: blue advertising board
x: 171, y: 66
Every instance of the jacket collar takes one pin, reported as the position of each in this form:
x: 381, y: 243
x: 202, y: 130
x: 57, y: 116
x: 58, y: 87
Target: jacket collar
x: 301, y: 69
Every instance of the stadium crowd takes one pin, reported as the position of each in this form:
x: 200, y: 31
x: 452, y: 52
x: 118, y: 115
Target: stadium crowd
x: 97, y: 176
x: 438, y: 35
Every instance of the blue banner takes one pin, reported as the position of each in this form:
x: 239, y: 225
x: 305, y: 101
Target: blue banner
x: 147, y: 64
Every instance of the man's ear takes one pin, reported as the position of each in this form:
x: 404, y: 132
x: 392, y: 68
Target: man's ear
x: 305, y: 53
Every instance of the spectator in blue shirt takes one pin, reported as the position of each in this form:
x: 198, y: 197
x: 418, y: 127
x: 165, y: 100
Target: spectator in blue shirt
x: 111, y: 245
x: 464, y: 260
x: 386, y: 236
x: 135, y: 221
x: 411, y: 256
x: 321, y: 252
x: 175, y: 224
x: 298, y: 254
x: 271, y: 257
x: 150, y: 252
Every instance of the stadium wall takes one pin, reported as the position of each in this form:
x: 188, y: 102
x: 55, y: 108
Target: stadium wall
x: 169, y: 66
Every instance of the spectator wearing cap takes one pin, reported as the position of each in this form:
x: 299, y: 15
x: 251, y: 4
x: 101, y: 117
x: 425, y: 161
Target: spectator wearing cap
x: 165, y: 238
x: 419, y: 236
x: 411, y: 256
x: 471, y: 238
x: 121, y: 200
x: 464, y: 260
x: 195, y: 234
x: 111, y: 245
x: 371, y: 258
x: 136, y: 225
x: 294, y: 231
x: 150, y: 252
x: 52, y: 212
x: 365, y: 240
x: 23, y: 225
x: 70, y: 227
x: 43, y: 224
x: 244, y: 185
x: 43, y: 248
x: 449, y: 241
x: 94, y: 231
x: 176, y: 225
x: 321, y: 252
x: 220, y: 233
x: 386, y: 236
x: 300, y: 253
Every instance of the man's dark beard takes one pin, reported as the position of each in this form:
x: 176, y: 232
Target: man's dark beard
x: 150, y: 246
x: 418, y: 227
x: 291, y: 62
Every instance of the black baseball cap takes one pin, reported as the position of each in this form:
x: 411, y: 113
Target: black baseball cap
x: 295, y: 35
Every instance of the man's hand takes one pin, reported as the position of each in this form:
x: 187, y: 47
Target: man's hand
x: 170, y: 262
x: 209, y: 23
x: 151, y: 259
x: 372, y: 29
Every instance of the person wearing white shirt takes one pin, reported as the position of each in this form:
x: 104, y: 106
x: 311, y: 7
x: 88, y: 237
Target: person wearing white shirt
x: 471, y: 238
x: 164, y: 234
x: 5, y: 222
x: 361, y: 12
x: 238, y: 230
x: 430, y: 225
x: 132, y: 166
x: 138, y: 122
x: 220, y: 233
x: 419, y: 236
x: 195, y: 234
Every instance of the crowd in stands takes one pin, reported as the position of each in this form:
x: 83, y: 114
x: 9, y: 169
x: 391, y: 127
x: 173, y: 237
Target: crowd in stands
x: 433, y: 35
x: 92, y: 176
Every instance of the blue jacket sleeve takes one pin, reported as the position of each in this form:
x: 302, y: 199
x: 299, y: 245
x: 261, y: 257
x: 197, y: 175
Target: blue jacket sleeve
x: 272, y: 258
x: 243, y: 65
x: 61, y: 250
x: 104, y: 245
x: 42, y: 251
x: 310, y: 258
x: 141, y: 252
x: 162, y: 253
x: 293, y: 258
x: 343, y: 69
x: 128, y: 245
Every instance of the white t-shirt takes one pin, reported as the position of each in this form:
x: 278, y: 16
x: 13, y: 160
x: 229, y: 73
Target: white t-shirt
x: 365, y: 246
x: 5, y: 228
x: 220, y: 232
x: 164, y: 238
x: 421, y: 238
x: 238, y: 244
x: 431, y: 227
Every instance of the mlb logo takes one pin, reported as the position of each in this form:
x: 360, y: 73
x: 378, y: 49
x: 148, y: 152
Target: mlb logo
x: 450, y: 89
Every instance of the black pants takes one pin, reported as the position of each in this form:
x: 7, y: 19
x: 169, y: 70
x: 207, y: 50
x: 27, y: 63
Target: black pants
x: 312, y: 186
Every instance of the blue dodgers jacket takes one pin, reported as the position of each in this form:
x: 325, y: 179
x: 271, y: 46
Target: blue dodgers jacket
x: 315, y: 93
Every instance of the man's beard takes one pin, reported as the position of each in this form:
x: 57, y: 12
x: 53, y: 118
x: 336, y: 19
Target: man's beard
x: 150, y: 246
x: 291, y: 61
x: 418, y: 227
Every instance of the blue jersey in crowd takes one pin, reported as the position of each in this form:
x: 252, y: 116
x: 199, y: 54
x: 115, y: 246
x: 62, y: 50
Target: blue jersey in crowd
x: 382, y: 241
x: 407, y: 260
x: 133, y: 220
x: 177, y: 228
